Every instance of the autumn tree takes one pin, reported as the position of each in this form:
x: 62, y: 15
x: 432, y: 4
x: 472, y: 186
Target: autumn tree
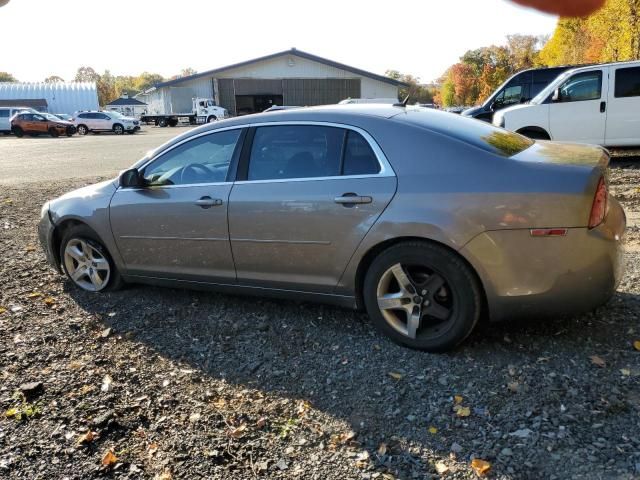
x: 53, y: 79
x: 7, y: 77
x: 86, y: 74
x: 416, y: 91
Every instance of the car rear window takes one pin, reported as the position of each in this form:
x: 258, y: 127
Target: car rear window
x: 473, y: 132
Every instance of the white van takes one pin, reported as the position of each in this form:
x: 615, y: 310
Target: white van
x: 5, y: 117
x: 598, y: 104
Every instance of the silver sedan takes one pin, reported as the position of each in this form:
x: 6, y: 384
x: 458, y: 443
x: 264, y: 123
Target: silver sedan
x: 425, y: 219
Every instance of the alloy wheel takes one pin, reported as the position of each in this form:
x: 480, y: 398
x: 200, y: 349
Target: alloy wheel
x: 415, y: 301
x: 86, y: 265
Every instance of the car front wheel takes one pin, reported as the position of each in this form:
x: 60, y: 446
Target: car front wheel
x: 86, y: 261
x: 422, y: 296
x: 118, y: 129
x: 18, y: 132
x: 82, y: 130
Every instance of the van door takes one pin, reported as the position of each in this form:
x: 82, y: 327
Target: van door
x: 578, y: 114
x: 623, y: 118
x: 5, y: 117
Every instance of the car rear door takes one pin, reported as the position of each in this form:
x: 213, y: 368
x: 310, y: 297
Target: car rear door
x: 579, y: 112
x: 176, y: 226
x: 306, y: 195
x: 623, y: 109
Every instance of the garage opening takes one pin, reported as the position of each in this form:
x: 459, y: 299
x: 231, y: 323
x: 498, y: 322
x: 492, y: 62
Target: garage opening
x: 246, y: 104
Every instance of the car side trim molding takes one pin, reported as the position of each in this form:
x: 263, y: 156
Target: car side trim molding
x: 291, y: 242
x: 198, y: 239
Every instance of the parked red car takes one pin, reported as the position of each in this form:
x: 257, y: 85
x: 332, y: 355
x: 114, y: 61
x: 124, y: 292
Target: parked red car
x: 36, y: 123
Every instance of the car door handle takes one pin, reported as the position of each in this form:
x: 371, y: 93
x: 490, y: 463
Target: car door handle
x: 603, y: 107
x: 352, y: 199
x: 208, y: 202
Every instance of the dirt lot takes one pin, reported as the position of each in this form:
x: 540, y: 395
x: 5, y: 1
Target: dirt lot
x: 180, y: 384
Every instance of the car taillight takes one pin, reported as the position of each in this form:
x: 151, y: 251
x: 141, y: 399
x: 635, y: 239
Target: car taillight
x: 599, y: 207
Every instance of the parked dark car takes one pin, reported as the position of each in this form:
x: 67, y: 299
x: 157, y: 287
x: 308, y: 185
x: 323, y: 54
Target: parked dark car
x: 520, y: 88
x: 40, y: 123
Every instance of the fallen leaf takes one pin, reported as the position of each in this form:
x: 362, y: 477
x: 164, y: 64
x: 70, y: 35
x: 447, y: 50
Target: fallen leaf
x: 34, y: 295
x: 396, y: 375
x: 12, y: 412
x: 30, y: 248
x: 165, y: 475
x: 239, y: 431
x: 481, y: 467
x: 49, y: 301
x: 362, y: 459
x: 86, y: 438
x: 109, y: 459
x: 220, y: 403
x: 433, y: 430
x: 596, y: 360
x: 462, y: 411
x: 107, y: 384
x: 342, y: 438
x: 636, y: 345
x: 458, y: 399
x: 194, y: 417
x: 625, y: 371
x: 513, y: 387
x: 441, y: 468
x: 302, y: 408
x: 382, y: 449
x: 261, y: 422
x: 152, y: 449
x: 2, y: 309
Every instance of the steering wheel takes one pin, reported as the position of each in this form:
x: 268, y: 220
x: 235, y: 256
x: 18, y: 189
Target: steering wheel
x: 194, y: 173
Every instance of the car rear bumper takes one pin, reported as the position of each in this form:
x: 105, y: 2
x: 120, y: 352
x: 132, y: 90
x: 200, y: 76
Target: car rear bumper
x: 45, y: 235
x: 526, y: 276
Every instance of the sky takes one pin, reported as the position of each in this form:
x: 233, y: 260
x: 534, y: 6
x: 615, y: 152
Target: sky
x: 127, y: 37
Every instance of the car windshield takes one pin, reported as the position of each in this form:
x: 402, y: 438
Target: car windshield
x: 542, y: 96
x: 48, y: 116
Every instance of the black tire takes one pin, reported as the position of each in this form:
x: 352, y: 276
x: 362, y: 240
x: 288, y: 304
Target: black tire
x: 82, y: 129
x: 162, y: 122
x: 173, y: 122
x: 461, y: 293
x: 535, y: 134
x: 118, y: 129
x: 18, y: 132
x: 82, y: 232
x: 212, y: 119
x: 54, y: 133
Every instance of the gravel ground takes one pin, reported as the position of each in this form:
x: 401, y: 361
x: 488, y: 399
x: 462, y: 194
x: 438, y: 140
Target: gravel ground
x: 160, y: 383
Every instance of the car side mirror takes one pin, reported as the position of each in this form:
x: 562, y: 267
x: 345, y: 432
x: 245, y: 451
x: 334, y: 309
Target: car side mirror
x: 556, y: 95
x: 131, y: 179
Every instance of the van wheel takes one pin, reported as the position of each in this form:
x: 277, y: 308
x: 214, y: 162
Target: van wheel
x: 87, y: 262
x: 82, y: 130
x: 423, y: 296
x: 534, y: 134
x: 18, y: 132
x: 53, y: 132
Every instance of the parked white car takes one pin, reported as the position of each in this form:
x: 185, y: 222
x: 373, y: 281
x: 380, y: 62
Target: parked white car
x: 5, y: 116
x: 385, y: 101
x: 598, y: 104
x: 86, y: 122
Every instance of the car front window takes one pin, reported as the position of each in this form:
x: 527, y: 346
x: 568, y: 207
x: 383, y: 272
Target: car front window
x: 205, y: 159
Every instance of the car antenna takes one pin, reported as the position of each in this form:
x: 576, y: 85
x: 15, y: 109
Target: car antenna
x: 403, y: 103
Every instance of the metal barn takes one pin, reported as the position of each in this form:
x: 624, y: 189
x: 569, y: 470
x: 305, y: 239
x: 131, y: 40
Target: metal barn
x: 291, y: 77
x: 51, y: 97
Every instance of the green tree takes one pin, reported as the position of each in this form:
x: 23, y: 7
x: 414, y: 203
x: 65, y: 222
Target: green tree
x: 416, y: 91
x: 86, y: 74
x: 7, y: 77
x: 147, y: 80
x: 53, y: 79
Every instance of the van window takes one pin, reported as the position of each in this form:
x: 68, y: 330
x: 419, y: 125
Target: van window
x: 509, y: 96
x: 4, y: 113
x: 582, y: 86
x: 627, y: 82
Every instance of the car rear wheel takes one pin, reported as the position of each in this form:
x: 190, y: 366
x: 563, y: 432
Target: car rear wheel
x: 53, y: 132
x: 422, y: 296
x: 18, y: 132
x: 86, y: 261
x: 118, y: 129
x: 82, y: 130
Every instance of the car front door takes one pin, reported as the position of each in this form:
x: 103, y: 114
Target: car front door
x: 175, y: 226
x: 40, y: 124
x: 578, y: 111
x: 305, y: 197
x: 623, y: 117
